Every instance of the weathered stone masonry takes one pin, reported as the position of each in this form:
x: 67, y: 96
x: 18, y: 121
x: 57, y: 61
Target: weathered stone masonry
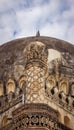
x: 37, y: 84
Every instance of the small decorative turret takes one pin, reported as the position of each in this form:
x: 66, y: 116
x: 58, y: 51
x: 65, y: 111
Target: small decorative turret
x: 38, y: 34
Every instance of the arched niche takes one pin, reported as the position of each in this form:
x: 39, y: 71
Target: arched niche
x: 72, y: 89
x: 10, y: 86
x: 59, y: 117
x: 64, y: 86
x: 50, y: 82
x: 22, y: 82
x: 1, y: 89
x: 67, y: 121
x: 4, y: 121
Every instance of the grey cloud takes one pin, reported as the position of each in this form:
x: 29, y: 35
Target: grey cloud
x: 23, y: 18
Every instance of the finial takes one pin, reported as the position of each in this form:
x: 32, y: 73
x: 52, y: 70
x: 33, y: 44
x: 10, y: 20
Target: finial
x: 38, y: 34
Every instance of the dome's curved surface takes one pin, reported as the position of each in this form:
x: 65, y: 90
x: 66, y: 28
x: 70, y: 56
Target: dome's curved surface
x: 54, y: 43
x: 13, y: 51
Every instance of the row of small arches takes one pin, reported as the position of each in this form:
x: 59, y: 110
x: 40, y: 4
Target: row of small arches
x: 63, y: 85
x: 11, y: 85
x: 61, y: 96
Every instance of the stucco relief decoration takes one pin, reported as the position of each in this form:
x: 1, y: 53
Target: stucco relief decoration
x: 36, y: 68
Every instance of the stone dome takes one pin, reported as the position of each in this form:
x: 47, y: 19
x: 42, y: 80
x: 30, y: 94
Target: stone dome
x: 11, y: 53
x: 37, y: 84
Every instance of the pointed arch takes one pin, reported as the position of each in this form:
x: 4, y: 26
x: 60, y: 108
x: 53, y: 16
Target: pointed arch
x: 10, y: 86
x: 72, y: 89
x: 67, y: 121
x: 59, y: 117
x: 1, y: 89
x: 64, y: 85
x: 22, y: 81
x: 4, y: 121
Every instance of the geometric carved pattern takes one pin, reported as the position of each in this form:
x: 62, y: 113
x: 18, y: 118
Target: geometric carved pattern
x: 36, y: 71
x: 34, y: 116
x: 32, y: 120
x: 35, y: 83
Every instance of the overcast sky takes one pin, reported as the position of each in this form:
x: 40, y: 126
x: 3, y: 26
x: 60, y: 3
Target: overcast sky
x: 21, y: 18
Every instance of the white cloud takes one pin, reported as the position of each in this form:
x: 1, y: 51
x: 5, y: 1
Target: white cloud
x: 24, y: 17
